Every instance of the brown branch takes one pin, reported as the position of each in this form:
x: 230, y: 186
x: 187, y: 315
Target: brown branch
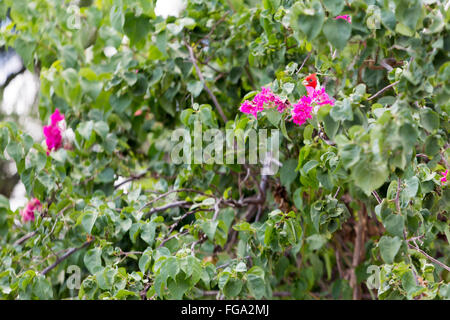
x: 168, y: 206
x: 304, y: 61
x: 358, y: 252
x: 213, y: 28
x: 383, y: 90
x: 429, y: 257
x: 132, y: 178
x: 202, y: 79
x: 337, y: 192
x: 397, y: 196
x: 24, y: 238
x: 375, y: 194
x: 65, y: 256
x: 216, y: 209
x: 172, y: 191
x: 423, y: 156
x: 171, y: 237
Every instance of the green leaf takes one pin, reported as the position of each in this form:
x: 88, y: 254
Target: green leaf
x: 154, y: 53
x: 195, y: 87
x: 93, y: 261
x: 273, y: 116
x: 409, y: 283
x: 389, y: 247
x: 134, y: 231
x: 116, y: 18
x: 309, y: 20
x: 85, y: 129
x: 408, y: 135
x: 15, y: 151
x: 105, y: 278
x: 88, y: 221
x: 193, y: 269
x: 331, y: 126
x: 120, y: 103
x: 145, y: 260
x: 395, y: 225
x: 334, y: 6
x: 342, y: 110
x: 209, y: 227
x: 42, y: 288
x: 136, y: 28
x: 107, y: 175
x: 255, y: 282
x: 288, y: 173
x: 178, y: 287
x: 337, y: 32
x: 148, y: 233
x: 369, y: 175
x: 232, y: 288
x: 429, y: 119
x: 408, y: 12
x: 316, y: 241
x: 298, y: 201
x: 411, y: 187
x: 101, y: 128
x: 25, y: 48
x: 350, y: 154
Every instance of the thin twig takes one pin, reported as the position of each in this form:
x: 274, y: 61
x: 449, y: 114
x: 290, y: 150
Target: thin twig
x: 171, y: 237
x: 216, y: 209
x: 375, y: 194
x: 337, y: 192
x: 383, y: 90
x: 397, y: 196
x: 25, y: 238
x: 173, y: 191
x: 304, y: 61
x: 169, y: 206
x: 202, y: 79
x: 214, y: 27
x: 132, y: 178
x: 65, y: 256
x: 228, y: 263
x: 429, y: 257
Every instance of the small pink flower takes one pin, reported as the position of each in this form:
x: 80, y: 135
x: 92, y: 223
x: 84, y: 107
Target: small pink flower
x: 264, y: 98
x: 345, y: 17
x: 28, y: 212
x: 56, y: 117
x: 321, y: 98
x: 444, y: 176
x: 249, y: 108
x: 53, y: 131
x: 302, y: 110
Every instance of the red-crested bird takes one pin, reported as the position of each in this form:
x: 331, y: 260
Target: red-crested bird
x: 311, y: 81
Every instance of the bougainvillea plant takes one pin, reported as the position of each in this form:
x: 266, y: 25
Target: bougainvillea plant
x: 358, y: 207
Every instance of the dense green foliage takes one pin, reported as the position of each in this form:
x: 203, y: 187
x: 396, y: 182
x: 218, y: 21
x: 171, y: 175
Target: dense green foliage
x: 360, y: 184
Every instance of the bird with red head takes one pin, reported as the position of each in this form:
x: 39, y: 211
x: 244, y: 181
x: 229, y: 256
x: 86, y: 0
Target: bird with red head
x: 310, y: 81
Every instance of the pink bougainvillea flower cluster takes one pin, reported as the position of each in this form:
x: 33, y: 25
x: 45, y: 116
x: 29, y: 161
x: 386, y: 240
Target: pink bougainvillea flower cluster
x: 304, y: 109
x: 264, y: 98
x: 320, y: 97
x: 307, y: 105
x: 28, y: 212
x: 345, y: 17
x: 444, y: 176
x: 52, y: 132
